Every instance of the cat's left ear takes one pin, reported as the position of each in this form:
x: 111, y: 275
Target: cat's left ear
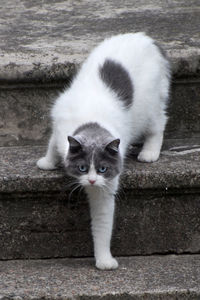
x: 74, y: 144
x: 113, y: 146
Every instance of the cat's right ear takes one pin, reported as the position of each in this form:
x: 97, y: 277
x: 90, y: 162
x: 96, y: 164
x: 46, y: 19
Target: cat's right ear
x: 113, y: 146
x: 74, y: 145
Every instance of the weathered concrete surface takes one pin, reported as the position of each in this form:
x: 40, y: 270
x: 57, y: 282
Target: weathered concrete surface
x: 46, y: 41
x: 184, y: 110
x: 174, y: 170
x: 47, y: 225
x: 43, y: 44
x: 24, y: 114
x: 157, y: 210
x: 139, y: 278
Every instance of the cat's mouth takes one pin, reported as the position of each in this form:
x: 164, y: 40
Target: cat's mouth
x: 91, y: 183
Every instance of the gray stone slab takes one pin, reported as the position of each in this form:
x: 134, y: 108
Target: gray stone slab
x: 24, y: 114
x: 154, y: 278
x: 46, y: 41
x: 49, y: 225
x: 43, y: 44
x: 157, y: 209
x: 177, y: 168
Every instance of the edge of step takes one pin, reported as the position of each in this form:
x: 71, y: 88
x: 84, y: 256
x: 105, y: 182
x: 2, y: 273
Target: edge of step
x: 178, y: 167
x: 48, y: 43
x: 169, y: 277
x: 184, y: 64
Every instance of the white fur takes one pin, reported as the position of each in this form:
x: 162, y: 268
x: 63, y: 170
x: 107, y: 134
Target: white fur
x: 89, y: 100
x: 102, y: 204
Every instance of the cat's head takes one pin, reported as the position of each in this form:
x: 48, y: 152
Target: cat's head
x: 93, y: 162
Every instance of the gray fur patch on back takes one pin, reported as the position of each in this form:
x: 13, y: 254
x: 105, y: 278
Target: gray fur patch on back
x: 116, y: 77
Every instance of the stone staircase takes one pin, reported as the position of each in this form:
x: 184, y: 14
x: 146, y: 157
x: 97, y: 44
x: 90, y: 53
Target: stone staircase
x: 45, y: 238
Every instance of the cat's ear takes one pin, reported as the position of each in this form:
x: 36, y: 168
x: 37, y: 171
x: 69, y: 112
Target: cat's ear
x: 113, y: 146
x: 74, y: 144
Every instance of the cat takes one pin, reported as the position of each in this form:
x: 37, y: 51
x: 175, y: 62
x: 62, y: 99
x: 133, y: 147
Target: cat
x: 119, y: 94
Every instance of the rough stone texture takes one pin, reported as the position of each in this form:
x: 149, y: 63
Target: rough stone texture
x: 42, y: 45
x: 184, y: 110
x: 24, y: 114
x: 158, y: 207
x: 43, y: 225
x: 43, y: 41
x: 138, y: 278
x: 174, y: 170
x: 52, y: 225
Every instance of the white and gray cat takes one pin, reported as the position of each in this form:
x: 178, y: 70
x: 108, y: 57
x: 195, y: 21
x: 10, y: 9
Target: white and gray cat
x: 119, y: 94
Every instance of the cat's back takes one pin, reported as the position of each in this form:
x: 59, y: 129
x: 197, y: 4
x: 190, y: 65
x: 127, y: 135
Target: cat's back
x: 93, y: 94
x: 130, y: 49
x: 135, y: 53
x: 100, y: 91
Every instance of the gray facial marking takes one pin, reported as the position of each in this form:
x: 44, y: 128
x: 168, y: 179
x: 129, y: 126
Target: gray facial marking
x: 98, y: 147
x: 116, y: 77
x: 92, y: 130
x: 111, y: 162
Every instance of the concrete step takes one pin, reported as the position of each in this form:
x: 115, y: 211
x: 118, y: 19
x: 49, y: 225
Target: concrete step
x: 44, y: 42
x: 157, y: 209
x: 42, y: 46
x: 169, y: 277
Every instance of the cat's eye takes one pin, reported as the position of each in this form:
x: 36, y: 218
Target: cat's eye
x: 102, y: 169
x: 82, y: 168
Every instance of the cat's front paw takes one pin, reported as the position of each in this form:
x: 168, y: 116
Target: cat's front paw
x: 44, y: 164
x: 107, y: 264
x: 148, y: 156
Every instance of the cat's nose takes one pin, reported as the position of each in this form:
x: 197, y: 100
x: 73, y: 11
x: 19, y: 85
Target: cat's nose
x: 92, y: 181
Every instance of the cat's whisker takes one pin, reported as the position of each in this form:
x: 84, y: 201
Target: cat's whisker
x: 81, y: 189
x: 121, y: 191
x: 107, y: 188
x: 71, y: 184
x: 118, y: 197
x: 74, y: 189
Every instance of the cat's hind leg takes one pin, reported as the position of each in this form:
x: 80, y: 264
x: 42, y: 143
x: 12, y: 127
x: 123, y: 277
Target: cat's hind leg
x: 50, y: 160
x: 151, y: 148
x: 153, y: 138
